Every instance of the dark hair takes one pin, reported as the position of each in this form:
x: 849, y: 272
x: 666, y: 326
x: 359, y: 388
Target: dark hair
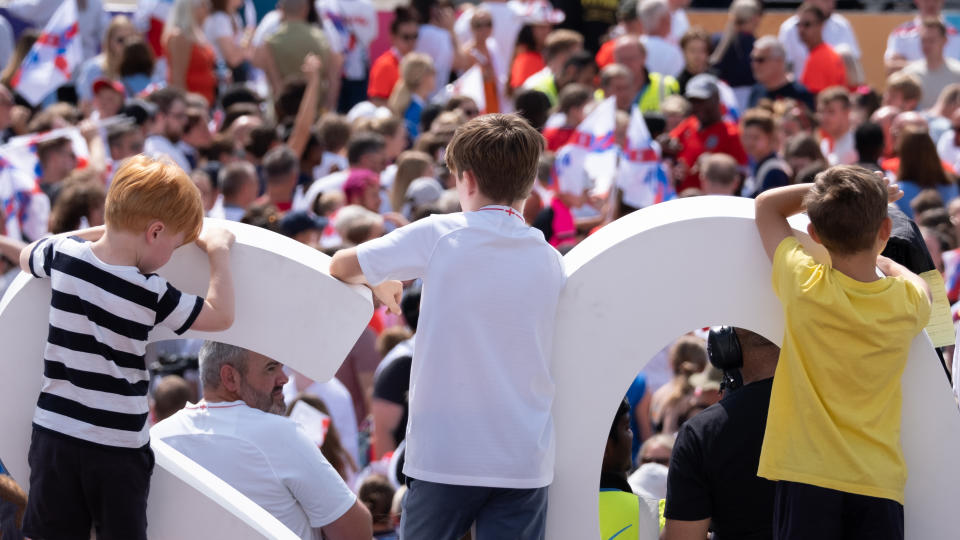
x: 803, y: 145
x: 573, y: 95
x: 334, y: 131
x: 362, y: 144
x: 75, y: 201
x: 233, y: 176
x: 526, y: 38
x: 869, y: 142
x: 164, y: 98
x: 422, y: 9
x: 265, y: 216
x: 502, y: 152
x: 117, y: 132
x: 533, y: 106
x: 238, y: 93
x: 580, y: 60
x: 136, y: 58
x: 808, y: 174
x: 846, y: 206
x: 279, y: 162
x: 332, y: 448
x: 262, y: 139
x: 761, y: 119
x: 44, y: 148
x: 194, y: 117
x: 429, y: 114
x: 288, y: 99
x: 816, y: 11
x: 376, y: 494
x: 622, y: 410
x: 402, y: 15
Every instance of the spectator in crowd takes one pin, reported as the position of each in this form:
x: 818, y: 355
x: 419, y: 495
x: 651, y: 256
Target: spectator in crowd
x: 663, y: 55
x: 713, y: 483
x: 192, y: 61
x: 628, y: 23
x: 705, y: 131
x: 696, y: 55
x: 650, y: 88
x: 376, y: 493
x: 903, y: 44
x: 271, y: 461
x: 281, y: 169
x: 137, y: 66
x: 107, y: 63
x: 385, y: 72
x: 232, y: 43
x: 529, y: 53
x: 409, y: 96
x: 938, y: 116
x: 169, y: 123
x: 616, y: 80
x: 730, y: 60
x: 836, y: 30
x: 884, y: 117
x: 411, y: 165
x: 833, y: 107
x: 824, y: 67
x: 559, y: 48
x: 620, y: 509
x: 920, y: 169
x: 477, y: 52
x: 573, y: 99
x: 719, y: 175
x: 934, y: 71
x: 57, y: 160
x: 948, y: 147
x: 365, y: 150
x: 124, y: 140
x: 688, y: 355
x: 238, y: 185
x: 903, y: 91
x: 768, y: 170
x: 437, y: 39
x: 79, y: 204
x: 331, y: 448
x: 901, y: 123
x: 172, y: 393
x: 868, y: 139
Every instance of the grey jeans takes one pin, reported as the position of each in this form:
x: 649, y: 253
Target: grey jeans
x: 434, y: 511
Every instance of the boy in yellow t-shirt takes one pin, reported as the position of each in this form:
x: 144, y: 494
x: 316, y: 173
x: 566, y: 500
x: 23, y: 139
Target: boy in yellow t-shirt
x: 832, y: 439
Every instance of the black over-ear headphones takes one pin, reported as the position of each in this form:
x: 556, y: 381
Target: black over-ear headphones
x: 725, y: 353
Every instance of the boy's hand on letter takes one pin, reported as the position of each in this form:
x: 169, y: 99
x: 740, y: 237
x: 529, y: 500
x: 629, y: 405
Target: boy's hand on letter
x: 215, y: 238
x: 389, y: 292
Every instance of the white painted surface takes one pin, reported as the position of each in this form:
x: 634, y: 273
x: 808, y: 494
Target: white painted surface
x: 287, y: 307
x: 686, y: 264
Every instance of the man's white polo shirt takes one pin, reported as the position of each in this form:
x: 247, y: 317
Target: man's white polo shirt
x: 266, y: 457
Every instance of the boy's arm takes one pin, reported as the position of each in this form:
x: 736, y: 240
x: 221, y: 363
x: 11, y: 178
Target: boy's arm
x: 90, y: 234
x: 895, y: 269
x: 345, y: 266
x: 773, y: 207
x: 218, y: 305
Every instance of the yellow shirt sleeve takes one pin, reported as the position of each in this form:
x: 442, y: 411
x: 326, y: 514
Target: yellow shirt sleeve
x: 792, y: 267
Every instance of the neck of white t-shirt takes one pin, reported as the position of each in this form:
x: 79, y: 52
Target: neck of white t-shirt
x: 507, y: 210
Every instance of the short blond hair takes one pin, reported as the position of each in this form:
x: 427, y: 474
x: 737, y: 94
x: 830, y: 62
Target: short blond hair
x: 146, y: 190
x: 907, y: 84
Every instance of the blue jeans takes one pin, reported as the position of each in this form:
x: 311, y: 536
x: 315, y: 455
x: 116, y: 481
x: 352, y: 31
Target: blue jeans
x: 434, y: 511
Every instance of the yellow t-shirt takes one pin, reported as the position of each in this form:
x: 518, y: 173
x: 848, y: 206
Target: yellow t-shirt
x: 834, y: 418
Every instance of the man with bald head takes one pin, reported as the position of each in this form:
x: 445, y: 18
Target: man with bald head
x: 836, y: 31
x: 650, y: 88
x: 769, y: 63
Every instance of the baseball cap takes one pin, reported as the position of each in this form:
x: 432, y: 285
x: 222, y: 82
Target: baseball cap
x: 299, y: 221
x: 423, y: 190
x: 103, y: 82
x: 702, y: 86
x: 542, y: 12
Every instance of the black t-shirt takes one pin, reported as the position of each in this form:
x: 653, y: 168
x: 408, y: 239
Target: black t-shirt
x: 713, y: 468
x: 592, y: 18
x: 791, y: 90
x: 393, y: 385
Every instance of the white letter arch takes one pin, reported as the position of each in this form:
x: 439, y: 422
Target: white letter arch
x: 632, y: 287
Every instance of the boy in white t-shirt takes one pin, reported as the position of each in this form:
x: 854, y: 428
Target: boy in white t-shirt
x: 480, y: 444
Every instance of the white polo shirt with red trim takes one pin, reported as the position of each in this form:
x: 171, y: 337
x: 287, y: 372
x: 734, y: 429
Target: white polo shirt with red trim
x: 265, y: 456
x: 480, y: 383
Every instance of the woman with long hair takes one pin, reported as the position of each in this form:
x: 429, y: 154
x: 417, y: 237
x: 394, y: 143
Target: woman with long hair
x: 528, y: 57
x: 477, y: 53
x: 920, y: 169
x: 79, y: 204
x: 136, y: 66
x: 107, y: 63
x: 230, y: 40
x: 192, y: 59
x: 411, y: 165
x: 730, y: 60
x: 695, y: 45
x: 409, y: 96
x: 687, y: 356
x: 20, y: 51
x: 332, y: 448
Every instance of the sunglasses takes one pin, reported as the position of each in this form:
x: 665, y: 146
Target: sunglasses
x: 806, y: 24
x: 482, y: 24
x: 470, y: 112
x: 409, y: 37
x: 662, y: 460
x: 758, y: 59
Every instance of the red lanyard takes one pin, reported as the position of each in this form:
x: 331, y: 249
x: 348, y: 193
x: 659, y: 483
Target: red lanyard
x: 505, y: 210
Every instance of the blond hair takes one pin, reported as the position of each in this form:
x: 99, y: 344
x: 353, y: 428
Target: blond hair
x: 411, y: 165
x: 413, y: 68
x: 146, y: 190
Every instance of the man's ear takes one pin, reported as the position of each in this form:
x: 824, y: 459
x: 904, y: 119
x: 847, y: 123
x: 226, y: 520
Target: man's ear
x: 153, y: 231
x: 229, y: 377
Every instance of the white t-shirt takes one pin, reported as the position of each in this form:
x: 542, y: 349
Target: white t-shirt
x: 843, y: 152
x: 947, y: 150
x: 663, y: 57
x: 336, y: 397
x: 330, y: 182
x: 480, y: 383
x: 679, y: 24
x: 508, y: 18
x: 219, y: 25
x: 836, y: 30
x: 355, y: 23
x: 268, y: 25
x: 158, y: 145
x: 905, y: 41
x: 6, y: 41
x: 267, y: 457
x: 435, y: 42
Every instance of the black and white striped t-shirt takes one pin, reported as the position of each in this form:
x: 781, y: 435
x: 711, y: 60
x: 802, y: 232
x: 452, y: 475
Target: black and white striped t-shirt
x: 95, y: 377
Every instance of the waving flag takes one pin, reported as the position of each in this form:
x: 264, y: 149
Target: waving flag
x: 470, y: 84
x: 728, y: 102
x: 591, y: 152
x: 54, y: 56
x: 640, y: 177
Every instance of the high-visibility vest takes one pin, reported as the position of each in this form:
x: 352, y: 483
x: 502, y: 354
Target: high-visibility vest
x: 619, y: 515
x: 658, y: 87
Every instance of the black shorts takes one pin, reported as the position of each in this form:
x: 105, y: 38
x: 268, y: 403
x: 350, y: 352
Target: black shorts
x: 76, y: 485
x: 802, y: 511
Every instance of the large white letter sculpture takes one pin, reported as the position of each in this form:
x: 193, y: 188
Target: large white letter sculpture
x: 287, y: 307
x: 649, y: 277
x: 686, y: 264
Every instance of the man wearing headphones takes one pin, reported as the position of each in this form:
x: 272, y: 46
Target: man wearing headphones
x: 713, y: 484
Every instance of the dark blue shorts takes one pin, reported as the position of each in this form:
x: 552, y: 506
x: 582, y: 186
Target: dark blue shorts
x: 802, y: 511
x: 446, y: 512
x: 76, y: 485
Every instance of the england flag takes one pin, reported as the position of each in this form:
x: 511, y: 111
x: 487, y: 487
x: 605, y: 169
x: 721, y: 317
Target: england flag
x: 591, y: 153
x: 54, y: 56
x: 471, y: 85
x: 641, y: 179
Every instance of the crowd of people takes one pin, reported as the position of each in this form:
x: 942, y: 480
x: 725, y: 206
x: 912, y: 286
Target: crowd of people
x: 285, y: 120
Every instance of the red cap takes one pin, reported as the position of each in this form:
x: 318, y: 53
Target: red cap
x: 103, y: 82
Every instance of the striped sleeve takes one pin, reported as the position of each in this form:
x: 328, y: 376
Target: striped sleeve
x: 41, y: 257
x: 178, y: 310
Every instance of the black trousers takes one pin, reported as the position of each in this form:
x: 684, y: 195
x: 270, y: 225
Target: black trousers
x: 76, y: 485
x: 802, y: 511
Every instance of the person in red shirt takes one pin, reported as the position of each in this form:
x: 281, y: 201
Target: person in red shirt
x: 703, y: 132
x: 573, y: 98
x: 385, y: 71
x: 629, y: 25
x: 824, y: 66
x: 529, y: 56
